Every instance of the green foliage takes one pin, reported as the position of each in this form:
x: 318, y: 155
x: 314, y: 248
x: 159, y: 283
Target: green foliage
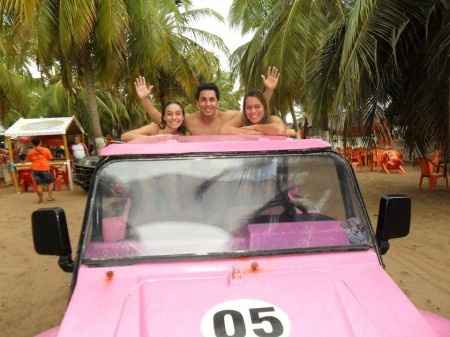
x: 229, y: 97
x: 378, y: 64
x: 90, y: 48
x: 16, y: 95
x: 353, y: 62
x: 290, y: 34
x: 420, y: 92
x: 166, y: 50
x: 56, y: 101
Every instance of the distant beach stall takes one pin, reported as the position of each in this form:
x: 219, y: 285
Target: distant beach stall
x: 54, y: 133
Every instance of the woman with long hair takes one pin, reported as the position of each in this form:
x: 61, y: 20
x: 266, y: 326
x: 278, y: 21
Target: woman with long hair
x: 172, y: 123
x: 256, y: 119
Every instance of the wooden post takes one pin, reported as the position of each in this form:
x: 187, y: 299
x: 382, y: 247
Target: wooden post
x: 69, y: 174
x: 12, y: 170
x: 66, y: 147
x: 68, y: 166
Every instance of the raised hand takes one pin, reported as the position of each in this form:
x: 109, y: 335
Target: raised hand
x: 271, y: 79
x: 142, y: 90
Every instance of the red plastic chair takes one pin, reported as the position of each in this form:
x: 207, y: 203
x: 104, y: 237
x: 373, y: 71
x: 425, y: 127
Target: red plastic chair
x: 426, y: 171
x: 376, y: 157
x: 347, y: 152
x: 26, y: 180
x: 392, y: 160
x: 358, y: 156
x: 60, y: 177
x: 437, y: 160
x: 351, y: 156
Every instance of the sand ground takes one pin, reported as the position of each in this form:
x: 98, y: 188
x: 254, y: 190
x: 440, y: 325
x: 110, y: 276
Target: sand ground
x: 34, y: 291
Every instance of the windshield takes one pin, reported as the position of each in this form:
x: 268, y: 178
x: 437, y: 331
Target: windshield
x: 219, y: 205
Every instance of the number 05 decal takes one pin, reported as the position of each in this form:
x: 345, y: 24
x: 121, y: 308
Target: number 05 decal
x: 245, y: 318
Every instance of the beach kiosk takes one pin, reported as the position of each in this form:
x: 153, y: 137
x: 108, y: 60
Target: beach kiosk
x: 54, y: 133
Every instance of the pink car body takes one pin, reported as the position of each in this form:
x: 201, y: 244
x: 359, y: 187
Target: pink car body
x: 300, y: 294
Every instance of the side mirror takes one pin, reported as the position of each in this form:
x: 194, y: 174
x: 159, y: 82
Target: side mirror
x: 394, y: 219
x: 50, y: 235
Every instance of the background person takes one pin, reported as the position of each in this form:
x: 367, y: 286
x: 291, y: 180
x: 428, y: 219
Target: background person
x: 3, y: 166
x: 39, y: 157
x: 172, y: 122
x: 79, y: 149
x: 108, y: 139
x: 392, y: 160
x: 209, y: 119
x: 23, y: 146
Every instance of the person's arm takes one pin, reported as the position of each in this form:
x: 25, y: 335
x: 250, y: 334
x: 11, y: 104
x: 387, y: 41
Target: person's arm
x: 270, y: 82
x: 148, y: 130
x: 143, y: 91
x: 292, y: 133
x: 49, y: 154
x: 232, y: 130
x: 275, y: 127
x: 86, y: 150
x: 234, y: 127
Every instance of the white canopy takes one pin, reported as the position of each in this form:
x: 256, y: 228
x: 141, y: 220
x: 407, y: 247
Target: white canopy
x: 44, y: 127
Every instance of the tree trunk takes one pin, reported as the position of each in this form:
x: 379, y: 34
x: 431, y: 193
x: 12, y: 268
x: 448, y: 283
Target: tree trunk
x: 344, y: 134
x: 305, y: 126
x: 324, y: 126
x: 447, y: 137
x: 93, y: 112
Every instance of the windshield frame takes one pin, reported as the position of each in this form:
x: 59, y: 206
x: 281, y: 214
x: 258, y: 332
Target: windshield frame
x: 342, y: 170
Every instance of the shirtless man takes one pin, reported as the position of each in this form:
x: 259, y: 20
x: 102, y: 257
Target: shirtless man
x: 208, y: 120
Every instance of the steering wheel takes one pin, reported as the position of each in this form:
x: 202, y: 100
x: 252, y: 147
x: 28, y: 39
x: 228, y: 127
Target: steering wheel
x: 290, y: 211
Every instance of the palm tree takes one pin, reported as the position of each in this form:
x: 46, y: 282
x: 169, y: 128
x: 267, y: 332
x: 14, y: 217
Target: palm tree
x: 56, y: 101
x: 16, y: 84
x: 388, y: 59
x: 105, y: 42
x: 420, y: 93
x: 16, y: 40
x: 167, y: 50
x: 286, y: 34
x: 87, y: 38
x: 15, y: 98
x: 358, y: 61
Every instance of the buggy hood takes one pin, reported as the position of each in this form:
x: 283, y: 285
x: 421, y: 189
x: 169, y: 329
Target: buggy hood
x: 309, y: 295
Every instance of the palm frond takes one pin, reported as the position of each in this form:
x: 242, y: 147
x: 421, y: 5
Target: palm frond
x: 193, y: 15
x: 76, y: 21
x: 111, y: 38
x: 206, y: 37
x: 250, y: 15
x: 22, y: 11
x: 47, y: 28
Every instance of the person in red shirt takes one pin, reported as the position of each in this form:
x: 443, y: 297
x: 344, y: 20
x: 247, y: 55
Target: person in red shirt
x: 39, y: 157
x: 392, y: 160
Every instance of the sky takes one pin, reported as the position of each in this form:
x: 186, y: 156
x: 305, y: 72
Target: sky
x: 232, y: 38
